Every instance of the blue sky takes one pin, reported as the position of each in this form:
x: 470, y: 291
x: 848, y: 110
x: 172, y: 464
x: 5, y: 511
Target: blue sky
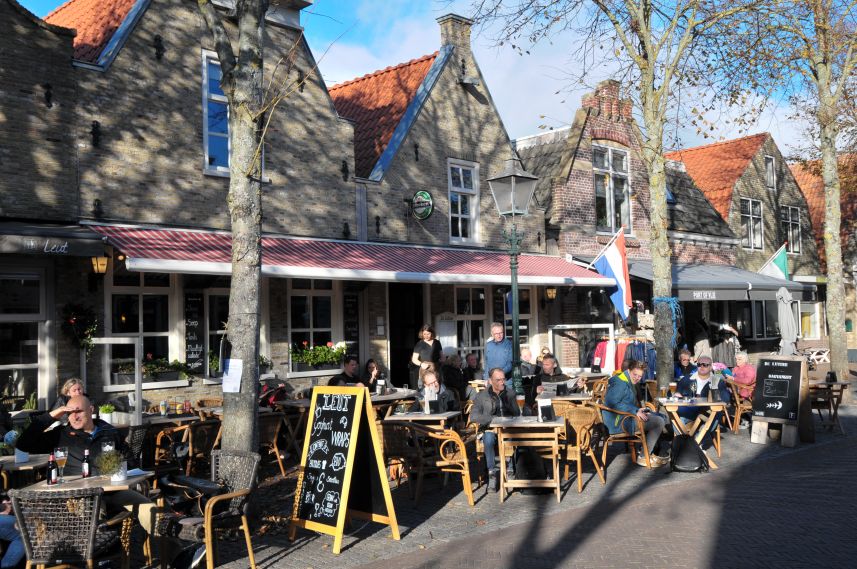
x: 353, y: 37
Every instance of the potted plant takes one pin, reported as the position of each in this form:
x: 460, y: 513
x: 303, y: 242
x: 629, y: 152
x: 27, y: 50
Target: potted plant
x: 106, y: 412
x: 79, y: 324
x: 154, y: 369
x: 112, y: 464
x: 265, y: 364
x: 325, y: 356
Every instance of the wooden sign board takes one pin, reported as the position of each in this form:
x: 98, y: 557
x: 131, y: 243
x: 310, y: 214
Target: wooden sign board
x: 781, y: 396
x: 342, y: 473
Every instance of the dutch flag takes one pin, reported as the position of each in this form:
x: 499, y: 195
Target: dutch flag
x: 613, y: 263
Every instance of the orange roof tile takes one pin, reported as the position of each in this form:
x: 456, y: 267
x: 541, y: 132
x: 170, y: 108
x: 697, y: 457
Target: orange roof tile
x: 808, y: 177
x: 376, y: 103
x: 95, y: 21
x: 716, y: 167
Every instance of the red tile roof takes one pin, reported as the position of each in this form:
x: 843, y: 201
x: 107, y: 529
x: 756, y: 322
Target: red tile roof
x: 376, y: 103
x: 808, y: 177
x: 95, y: 21
x: 716, y: 167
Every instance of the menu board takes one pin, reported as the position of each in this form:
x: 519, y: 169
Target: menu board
x: 341, y: 448
x: 777, y: 394
x: 194, y: 333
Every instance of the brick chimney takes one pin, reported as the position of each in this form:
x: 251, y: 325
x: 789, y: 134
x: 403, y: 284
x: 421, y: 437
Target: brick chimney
x: 455, y: 31
x: 606, y: 101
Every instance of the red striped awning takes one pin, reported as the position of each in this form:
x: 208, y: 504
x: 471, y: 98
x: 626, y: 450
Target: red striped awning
x: 209, y: 252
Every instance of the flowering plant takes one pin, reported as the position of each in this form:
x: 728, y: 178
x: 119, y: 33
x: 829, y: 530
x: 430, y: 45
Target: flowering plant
x: 329, y: 353
x: 153, y: 366
x: 718, y: 367
x: 80, y: 325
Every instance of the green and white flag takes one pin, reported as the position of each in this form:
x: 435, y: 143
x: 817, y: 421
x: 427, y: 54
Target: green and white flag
x: 778, y: 265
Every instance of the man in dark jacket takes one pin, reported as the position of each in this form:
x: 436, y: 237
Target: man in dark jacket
x: 496, y: 401
x: 550, y: 373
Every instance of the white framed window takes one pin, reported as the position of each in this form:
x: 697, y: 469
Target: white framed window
x: 215, y: 118
x: 751, y: 224
x: 22, y: 296
x: 503, y: 296
x: 790, y: 224
x: 312, y: 305
x: 470, y: 320
x: 810, y: 320
x: 138, y: 305
x: 612, y: 189
x: 22, y: 315
x: 216, y: 317
x: 770, y: 173
x: 463, y: 181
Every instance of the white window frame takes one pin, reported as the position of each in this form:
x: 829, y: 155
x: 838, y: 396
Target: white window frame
x: 760, y: 217
x: 207, y: 57
x: 474, y: 200
x: 35, y: 274
x: 207, y: 294
x: 173, y: 326
x: 772, y: 173
x: 611, y: 175
x: 480, y: 349
x: 792, y: 247
x: 336, y: 331
x: 506, y: 319
x: 816, y: 314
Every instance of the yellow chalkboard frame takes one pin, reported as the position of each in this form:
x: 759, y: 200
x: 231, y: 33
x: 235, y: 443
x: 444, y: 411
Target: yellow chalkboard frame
x: 363, y: 404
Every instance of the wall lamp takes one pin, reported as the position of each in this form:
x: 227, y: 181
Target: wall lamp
x: 99, y: 265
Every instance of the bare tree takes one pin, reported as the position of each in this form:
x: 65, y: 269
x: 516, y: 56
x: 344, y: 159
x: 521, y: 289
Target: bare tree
x: 653, y: 42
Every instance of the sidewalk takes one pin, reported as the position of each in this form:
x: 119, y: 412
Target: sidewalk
x: 763, y: 507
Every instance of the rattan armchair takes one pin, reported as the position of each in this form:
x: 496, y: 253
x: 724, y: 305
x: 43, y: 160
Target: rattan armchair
x: 201, y: 437
x: 237, y: 471
x: 269, y: 433
x: 403, y: 456
x: 742, y: 404
x: 579, y: 420
x: 62, y: 528
x: 631, y: 438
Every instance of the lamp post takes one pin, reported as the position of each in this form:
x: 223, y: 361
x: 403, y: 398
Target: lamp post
x: 513, y: 190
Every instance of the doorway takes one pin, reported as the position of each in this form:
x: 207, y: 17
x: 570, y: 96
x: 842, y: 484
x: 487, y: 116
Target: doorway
x: 406, y: 318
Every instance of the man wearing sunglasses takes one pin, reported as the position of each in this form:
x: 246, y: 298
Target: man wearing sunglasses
x: 699, y: 384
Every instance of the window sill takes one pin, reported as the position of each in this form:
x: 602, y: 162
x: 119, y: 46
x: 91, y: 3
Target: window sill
x: 315, y: 373
x: 146, y: 385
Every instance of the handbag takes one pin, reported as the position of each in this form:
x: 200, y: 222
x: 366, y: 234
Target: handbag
x: 188, y: 495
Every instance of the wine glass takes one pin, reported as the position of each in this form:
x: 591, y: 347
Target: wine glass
x: 61, y: 456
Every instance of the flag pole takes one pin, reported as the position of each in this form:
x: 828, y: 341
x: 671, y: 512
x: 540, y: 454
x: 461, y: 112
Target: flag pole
x: 771, y: 258
x: 604, y: 249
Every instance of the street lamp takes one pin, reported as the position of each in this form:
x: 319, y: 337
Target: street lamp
x: 513, y: 190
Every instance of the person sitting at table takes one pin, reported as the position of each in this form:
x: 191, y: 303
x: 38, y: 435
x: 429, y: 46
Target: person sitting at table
x: 621, y: 396
x: 683, y: 367
x: 550, y: 373
x: 80, y: 434
x: 471, y: 370
x: 71, y: 388
x: 371, y: 374
x: 496, y: 401
x: 433, y: 388
x: 528, y: 367
x: 14, y: 554
x: 702, y: 379
x: 452, y: 376
x: 744, y: 373
x: 348, y: 375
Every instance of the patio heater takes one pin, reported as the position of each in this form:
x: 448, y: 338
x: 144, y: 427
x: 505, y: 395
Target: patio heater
x: 513, y: 190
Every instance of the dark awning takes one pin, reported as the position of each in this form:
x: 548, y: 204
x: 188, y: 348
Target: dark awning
x: 51, y: 240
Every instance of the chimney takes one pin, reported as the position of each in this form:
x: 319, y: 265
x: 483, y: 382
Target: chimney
x: 607, y: 103
x: 455, y: 31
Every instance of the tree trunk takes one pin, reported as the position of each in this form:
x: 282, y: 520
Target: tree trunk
x: 832, y: 245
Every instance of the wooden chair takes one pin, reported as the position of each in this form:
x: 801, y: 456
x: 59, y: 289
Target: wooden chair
x: 201, y: 437
x: 827, y: 397
x: 742, y: 404
x: 599, y: 389
x: 629, y: 438
x: 269, y: 433
x: 237, y: 470
x: 544, y: 442
x: 62, y: 528
x: 402, y: 455
x: 579, y: 419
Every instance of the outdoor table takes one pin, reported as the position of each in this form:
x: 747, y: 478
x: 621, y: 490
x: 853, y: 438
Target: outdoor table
x: 528, y: 432
x: 698, y: 428
x: 79, y: 483
x: 830, y: 392
x: 36, y: 462
x: 432, y: 419
x: 387, y: 403
x: 574, y: 397
x: 294, y: 423
x: 171, y: 418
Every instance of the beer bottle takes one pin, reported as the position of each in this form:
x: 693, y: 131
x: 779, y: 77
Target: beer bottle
x: 53, y: 471
x: 85, y: 469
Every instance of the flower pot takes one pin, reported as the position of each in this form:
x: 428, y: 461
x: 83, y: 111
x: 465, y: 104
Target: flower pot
x: 21, y: 456
x: 122, y: 474
x: 107, y: 417
x: 314, y: 367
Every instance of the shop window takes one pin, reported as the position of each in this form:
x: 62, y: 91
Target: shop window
x: 810, y: 321
x: 503, y: 305
x: 19, y: 362
x: 765, y: 319
x: 310, y: 313
x: 751, y: 224
x: 216, y: 317
x: 612, y: 189
x: 463, y: 183
x: 470, y: 317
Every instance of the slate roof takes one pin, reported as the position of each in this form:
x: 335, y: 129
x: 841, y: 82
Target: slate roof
x: 95, y: 22
x: 542, y: 154
x: 808, y: 177
x: 692, y: 213
x: 376, y: 104
x: 715, y: 168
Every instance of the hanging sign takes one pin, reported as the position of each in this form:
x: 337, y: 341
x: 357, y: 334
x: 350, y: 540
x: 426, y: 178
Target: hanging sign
x: 341, y: 449
x: 422, y: 204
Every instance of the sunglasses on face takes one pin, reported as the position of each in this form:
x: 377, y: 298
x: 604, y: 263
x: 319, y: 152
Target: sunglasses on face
x: 704, y: 365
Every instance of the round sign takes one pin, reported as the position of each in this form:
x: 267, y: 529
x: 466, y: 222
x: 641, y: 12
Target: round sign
x: 422, y: 205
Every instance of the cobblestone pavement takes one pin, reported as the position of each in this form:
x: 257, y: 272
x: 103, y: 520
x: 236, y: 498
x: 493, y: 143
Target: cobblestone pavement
x: 766, y: 506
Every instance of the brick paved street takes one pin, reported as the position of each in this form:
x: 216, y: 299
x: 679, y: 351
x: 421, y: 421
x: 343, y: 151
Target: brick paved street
x: 766, y: 506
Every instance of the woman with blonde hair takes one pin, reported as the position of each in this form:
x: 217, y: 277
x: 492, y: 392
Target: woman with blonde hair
x: 71, y: 388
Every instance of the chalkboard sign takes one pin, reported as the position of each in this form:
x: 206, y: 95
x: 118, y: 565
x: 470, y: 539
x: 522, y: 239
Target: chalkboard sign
x: 777, y: 394
x: 351, y: 321
x: 194, y: 332
x: 341, y: 448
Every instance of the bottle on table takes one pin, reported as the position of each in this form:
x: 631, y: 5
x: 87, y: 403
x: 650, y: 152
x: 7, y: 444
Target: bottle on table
x: 53, y: 472
x: 85, y: 469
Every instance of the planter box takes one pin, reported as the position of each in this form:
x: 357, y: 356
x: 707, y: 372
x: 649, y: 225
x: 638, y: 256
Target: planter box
x: 128, y: 378
x: 298, y: 367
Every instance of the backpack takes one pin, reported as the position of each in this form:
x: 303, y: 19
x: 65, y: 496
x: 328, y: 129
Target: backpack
x: 598, y: 435
x: 687, y: 455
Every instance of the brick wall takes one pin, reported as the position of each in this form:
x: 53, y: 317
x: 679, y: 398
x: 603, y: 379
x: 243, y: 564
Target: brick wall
x: 38, y: 178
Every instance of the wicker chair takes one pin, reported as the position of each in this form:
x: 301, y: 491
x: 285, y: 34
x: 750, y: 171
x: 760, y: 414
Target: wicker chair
x: 631, y: 438
x: 202, y: 437
x: 210, y: 402
x: 237, y: 470
x: 403, y: 456
x: 579, y: 419
x: 599, y: 389
x: 62, y: 528
x: 742, y: 404
x: 269, y: 433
